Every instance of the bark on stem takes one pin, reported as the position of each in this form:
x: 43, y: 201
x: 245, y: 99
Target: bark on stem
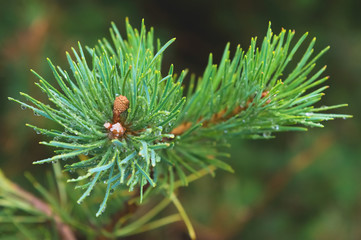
x: 64, y: 230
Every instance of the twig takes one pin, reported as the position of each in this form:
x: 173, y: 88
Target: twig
x: 184, y: 216
x: 221, y: 116
x: 133, y: 226
x: 128, y: 209
x: 64, y: 230
x: 131, y: 208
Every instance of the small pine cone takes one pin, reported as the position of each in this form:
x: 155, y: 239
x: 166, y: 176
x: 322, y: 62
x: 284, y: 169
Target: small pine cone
x: 121, y: 104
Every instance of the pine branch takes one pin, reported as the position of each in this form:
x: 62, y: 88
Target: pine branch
x: 29, y: 199
x: 216, y: 118
x: 139, y: 130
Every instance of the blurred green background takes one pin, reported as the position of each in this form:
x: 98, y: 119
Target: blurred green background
x: 297, y: 186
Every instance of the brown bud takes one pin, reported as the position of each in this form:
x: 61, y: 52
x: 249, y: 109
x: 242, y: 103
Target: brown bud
x: 121, y: 104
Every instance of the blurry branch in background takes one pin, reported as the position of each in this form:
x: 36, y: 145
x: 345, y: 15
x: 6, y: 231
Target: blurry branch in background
x: 23, y: 210
x: 279, y: 181
x: 14, y: 197
x: 298, y: 163
x: 28, y: 41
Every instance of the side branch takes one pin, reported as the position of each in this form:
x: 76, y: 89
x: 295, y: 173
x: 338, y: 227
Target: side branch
x: 64, y: 230
x: 217, y: 117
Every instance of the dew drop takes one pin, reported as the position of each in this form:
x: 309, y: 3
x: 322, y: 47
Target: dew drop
x: 23, y: 107
x: 276, y: 127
